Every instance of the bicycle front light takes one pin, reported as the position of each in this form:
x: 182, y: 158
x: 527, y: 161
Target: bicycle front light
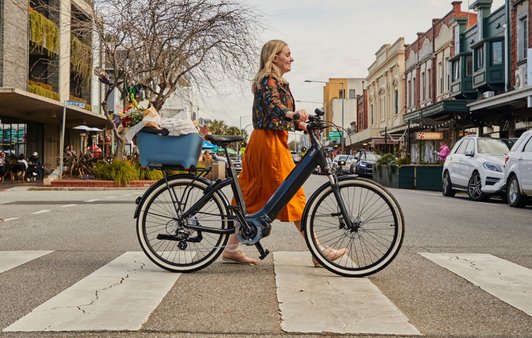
x: 492, y: 167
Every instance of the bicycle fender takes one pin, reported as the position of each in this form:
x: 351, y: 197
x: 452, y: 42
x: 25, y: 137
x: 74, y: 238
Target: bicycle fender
x: 140, y: 200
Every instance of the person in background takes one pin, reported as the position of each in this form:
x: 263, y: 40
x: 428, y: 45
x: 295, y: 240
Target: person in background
x: 34, y: 166
x: 268, y: 160
x: 19, y: 169
x: 3, y: 166
x: 444, y: 151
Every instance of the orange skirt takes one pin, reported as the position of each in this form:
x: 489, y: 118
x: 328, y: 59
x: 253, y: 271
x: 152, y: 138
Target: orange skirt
x: 266, y: 163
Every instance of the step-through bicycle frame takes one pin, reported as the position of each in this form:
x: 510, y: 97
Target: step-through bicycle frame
x: 285, y: 192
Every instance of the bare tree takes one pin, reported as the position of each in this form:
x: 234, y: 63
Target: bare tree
x: 161, y: 45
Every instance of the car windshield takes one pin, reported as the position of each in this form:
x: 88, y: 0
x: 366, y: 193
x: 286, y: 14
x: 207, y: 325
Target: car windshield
x: 492, y: 146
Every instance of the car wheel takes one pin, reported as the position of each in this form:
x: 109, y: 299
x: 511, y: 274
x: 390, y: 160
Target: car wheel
x: 474, y: 188
x: 447, y: 187
x: 513, y: 193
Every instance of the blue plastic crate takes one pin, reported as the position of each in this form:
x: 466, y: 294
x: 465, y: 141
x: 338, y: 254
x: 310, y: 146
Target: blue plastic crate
x: 169, y: 151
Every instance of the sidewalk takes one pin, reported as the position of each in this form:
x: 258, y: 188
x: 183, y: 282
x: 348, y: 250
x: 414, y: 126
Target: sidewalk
x: 7, y: 185
x: 72, y: 184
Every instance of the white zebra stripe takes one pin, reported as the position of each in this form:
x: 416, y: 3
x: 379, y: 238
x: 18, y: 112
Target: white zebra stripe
x: 505, y: 280
x: 12, y: 259
x: 119, y: 296
x: 313, y: 300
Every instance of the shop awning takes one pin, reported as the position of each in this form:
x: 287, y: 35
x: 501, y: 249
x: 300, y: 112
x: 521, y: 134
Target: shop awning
x: 17, y: 105
x: 514, y: 99
x: 438, y: 110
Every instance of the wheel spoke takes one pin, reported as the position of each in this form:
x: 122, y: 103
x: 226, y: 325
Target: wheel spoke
x: 376, y: 234
x: 182, y: 249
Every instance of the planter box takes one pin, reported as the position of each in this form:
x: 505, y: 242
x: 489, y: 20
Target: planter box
x: 421, y: 177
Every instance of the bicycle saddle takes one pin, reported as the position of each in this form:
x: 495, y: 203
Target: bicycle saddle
x: 221, y: 140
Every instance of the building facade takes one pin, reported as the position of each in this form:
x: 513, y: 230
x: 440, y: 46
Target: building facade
x: 430, y: 108
x: 505, y: 110
x: 385, y: 94
x: 45, y: 72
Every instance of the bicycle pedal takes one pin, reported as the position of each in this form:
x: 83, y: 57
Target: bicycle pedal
x: 264, y: 254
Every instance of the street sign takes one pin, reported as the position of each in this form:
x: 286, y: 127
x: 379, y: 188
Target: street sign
x: 334, y: 135
x: 72, y: 103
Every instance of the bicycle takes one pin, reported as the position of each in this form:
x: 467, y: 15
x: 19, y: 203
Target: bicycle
x: 184, y: 221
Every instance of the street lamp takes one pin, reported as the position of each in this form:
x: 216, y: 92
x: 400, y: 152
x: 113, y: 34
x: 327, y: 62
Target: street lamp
x: 343, y: 99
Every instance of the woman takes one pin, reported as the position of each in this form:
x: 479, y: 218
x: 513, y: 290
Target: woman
x: 267, y: 160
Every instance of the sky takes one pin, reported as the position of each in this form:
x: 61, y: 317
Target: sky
x: 328, y: 39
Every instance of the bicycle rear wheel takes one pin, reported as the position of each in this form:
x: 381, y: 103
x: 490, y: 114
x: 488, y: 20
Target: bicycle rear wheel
x: 162, y: 231
x: 372, y: 242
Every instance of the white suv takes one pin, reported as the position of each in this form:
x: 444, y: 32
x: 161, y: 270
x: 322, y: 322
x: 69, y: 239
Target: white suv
x: 475, y: 165
x: 518, y: 171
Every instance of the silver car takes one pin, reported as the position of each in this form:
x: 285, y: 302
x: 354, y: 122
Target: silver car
x: 518, y: 171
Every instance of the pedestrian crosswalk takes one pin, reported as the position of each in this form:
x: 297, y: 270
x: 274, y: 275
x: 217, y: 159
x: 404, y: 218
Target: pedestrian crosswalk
x: 123, y: 294
x: 117, y: 297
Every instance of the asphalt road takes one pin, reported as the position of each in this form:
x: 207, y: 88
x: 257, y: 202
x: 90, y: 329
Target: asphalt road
x: 85, y: 230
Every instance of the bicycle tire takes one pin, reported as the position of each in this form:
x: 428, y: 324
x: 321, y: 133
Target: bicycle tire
x: 159, y: 215
x: 370, y: 248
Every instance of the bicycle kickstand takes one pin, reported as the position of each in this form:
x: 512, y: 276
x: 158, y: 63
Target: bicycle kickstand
x: 263, y: 252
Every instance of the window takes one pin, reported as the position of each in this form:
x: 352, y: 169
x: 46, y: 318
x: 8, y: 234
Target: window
x: 461, y: 148
x: 352, y: 93
x: 456, y: 70
x: 382, y: 109
x: 496, y: 53
x: 440, y: 78
x: 528, y: 147
x: 409, y: 90
x: 371, y: 114
x: 448, y: 72
x: 470, y: 147
x: 341, y: 93
x: 522, y: 38
x: 469, y: 65
x: 423, y: 84
x: 396, y: 103
x: 479, y: 58
x: 429, y: 84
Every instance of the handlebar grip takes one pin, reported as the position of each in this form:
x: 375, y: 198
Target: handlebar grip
x: 319, y: 112
x: 156, y: 131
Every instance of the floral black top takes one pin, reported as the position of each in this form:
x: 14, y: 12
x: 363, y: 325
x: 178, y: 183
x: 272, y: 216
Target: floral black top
x: 270, y: 105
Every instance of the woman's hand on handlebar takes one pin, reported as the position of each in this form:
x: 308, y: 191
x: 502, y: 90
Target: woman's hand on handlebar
x: 299, y: 115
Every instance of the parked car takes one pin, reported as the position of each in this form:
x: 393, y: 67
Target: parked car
x: 363, y: 163
x: 518, y: 171
x: 475, y: 165
x: 344, y: 162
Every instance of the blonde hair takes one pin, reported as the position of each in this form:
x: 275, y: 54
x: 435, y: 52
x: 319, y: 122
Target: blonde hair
x: 267, y: 68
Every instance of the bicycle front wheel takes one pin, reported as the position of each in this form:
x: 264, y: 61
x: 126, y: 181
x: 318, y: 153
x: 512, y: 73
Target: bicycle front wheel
x: 373, y: 240
x: 162, y: 230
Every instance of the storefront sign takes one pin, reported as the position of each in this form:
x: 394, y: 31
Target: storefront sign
x: 429, y: 135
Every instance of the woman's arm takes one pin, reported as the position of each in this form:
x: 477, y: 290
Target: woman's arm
x: 272, y: 98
